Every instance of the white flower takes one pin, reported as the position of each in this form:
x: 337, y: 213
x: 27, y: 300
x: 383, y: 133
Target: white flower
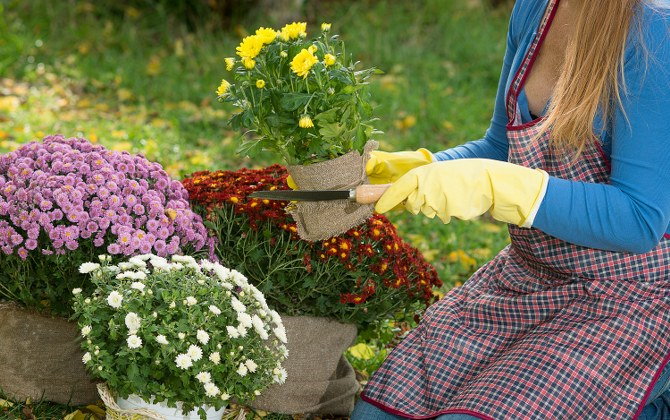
x: 202, y: 336
x: 183, y: 361
x: 144, y: 257
x: 76, y: 291
x: 215, y: 358
x: 259, y: 327
x: 244, y: 319
x: 85, y: 331
x: 279, y: 375
x: 238, y: 278
x: 251, y: 365
x: 190, y: 301
x: 221, y: 272
x: 242, y: 331
x: 133, y: 322
x: 275, y: 317
x: 211, y: 390
x: 175, y: 267
x: 137, y: 285
x: 160, y: 339
x: 173, y: 305
x: 280, y: 333
x: 242, y: 370
x: 160, y: 264
x: 86, y: 358
x: 204, y: 377
x: 284, y: 351
x: 126, y: 266
x: 184, y: 259
x: 207, y: 265
x: 88, y: 267
x: 257, y: 392
x: 137, y: 262
x: 225, y: 396
x: 181, y: 336
x: 232, y: 332
x: 226, y: 285
x: 213, y: 309
x: 114, y: 299
x: 194, y: 352
x: 237, y: 305
x: 134, y: 342
x: 87, y: 301
x: 104, y: 258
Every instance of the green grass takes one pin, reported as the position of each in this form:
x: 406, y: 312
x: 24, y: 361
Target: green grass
x: 138, y: 79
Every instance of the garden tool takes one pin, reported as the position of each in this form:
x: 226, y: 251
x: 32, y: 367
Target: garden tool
x: 363, y: 194
x: 467, y: 188
x: 385, y: 167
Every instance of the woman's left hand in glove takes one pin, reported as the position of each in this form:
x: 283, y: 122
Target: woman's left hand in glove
x: 467, y: 188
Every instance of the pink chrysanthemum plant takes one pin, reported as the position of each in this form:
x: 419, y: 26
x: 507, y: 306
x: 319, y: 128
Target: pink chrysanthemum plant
x: 64, y: 201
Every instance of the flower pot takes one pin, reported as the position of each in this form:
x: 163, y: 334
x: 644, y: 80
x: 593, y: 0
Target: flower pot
x: 136, y: 403
x: 41, y: 358
x: 319, y: 220
x: 319, y: 380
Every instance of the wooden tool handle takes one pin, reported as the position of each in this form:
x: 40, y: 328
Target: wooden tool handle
x: 369, y: 194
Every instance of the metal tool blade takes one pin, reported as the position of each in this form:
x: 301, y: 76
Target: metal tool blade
x: 304, y: 195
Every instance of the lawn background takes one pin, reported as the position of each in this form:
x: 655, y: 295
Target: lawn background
x: 140, y: 76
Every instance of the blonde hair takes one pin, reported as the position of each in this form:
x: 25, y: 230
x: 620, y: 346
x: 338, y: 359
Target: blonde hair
x: 592, y: 76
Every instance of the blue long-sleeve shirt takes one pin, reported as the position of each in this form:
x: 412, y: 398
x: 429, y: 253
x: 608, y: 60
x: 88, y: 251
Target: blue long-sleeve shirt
x: 632, y: 212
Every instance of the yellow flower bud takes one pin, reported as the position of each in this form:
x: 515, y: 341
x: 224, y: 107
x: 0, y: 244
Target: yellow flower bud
x: 329, y: 59
x: 305, y: 122
x: 283, y: 54
x: 260, y: 83
x: 223, y: 88
x: 248, y: 63
x: 312, y: 49
x: 230, y: 63
x: 325, y: 27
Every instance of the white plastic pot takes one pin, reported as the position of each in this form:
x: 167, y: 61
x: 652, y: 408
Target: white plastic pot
x: 134, y: 402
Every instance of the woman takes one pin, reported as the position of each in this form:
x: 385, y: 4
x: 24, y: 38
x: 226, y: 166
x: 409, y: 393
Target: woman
x: 572, y: 320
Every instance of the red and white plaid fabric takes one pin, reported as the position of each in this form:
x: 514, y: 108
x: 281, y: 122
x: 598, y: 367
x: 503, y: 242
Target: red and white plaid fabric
x: 547, y: 329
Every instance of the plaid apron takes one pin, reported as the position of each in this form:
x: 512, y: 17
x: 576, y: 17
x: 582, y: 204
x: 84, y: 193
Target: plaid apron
x: 547, y: 329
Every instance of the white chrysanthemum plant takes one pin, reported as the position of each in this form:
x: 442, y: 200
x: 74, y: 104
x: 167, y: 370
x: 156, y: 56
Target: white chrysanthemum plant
x: 178, y: 332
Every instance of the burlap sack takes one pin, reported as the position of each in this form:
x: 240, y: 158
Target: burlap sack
x: 319, y: 220
x: 320, y: 379
x: 40, y: 358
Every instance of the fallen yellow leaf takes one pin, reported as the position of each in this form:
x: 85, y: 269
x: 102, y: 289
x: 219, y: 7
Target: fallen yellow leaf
x: 362, y: 351
x: 5, y: 403
x: 154, y: 65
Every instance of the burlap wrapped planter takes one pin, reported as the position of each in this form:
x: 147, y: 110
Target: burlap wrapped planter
x: 40, y: 358
x: 320, y: 379
x: 319, y: 220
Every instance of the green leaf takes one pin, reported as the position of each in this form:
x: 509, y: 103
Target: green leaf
x: 293, y: 101
x: 331, y: 131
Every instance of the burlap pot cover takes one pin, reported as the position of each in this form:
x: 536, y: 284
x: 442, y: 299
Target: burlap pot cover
x: 320, y: 379
x: 40, y: 358
x: 319, y: 220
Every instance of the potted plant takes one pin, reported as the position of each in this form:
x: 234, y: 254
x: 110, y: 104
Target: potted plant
x: 304, y: 100
x: 324, y: 290
x: 177, y: 338
x: 63, y: 201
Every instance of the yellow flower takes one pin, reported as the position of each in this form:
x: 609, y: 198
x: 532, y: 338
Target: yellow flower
x: 303, y: 62
x: 305, y: 122
x: 312, y: 49
x: 266, y: 35
x: 329, y: 59
x: 325, y: 27
x: 294, y: 30
x: 260, y: 83
x: 250, y: 47
x: 248, y: 63
x: 230, y: 62
x: 223, y: 87
x: 283, y: 54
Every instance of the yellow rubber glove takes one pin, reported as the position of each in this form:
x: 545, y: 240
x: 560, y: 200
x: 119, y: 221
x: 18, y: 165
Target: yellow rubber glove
x: 467, y: 188
x: 387, y: 167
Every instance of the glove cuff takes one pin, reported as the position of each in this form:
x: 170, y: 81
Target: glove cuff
x: 538, y: 201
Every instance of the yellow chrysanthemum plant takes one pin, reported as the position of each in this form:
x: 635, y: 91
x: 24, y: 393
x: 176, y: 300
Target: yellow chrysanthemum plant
x: 301, y: 98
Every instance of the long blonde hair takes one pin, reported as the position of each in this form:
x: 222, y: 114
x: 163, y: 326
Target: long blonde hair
x: 592, y: 76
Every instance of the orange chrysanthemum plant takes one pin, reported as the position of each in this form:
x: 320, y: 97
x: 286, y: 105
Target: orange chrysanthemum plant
x: 362, y: 276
